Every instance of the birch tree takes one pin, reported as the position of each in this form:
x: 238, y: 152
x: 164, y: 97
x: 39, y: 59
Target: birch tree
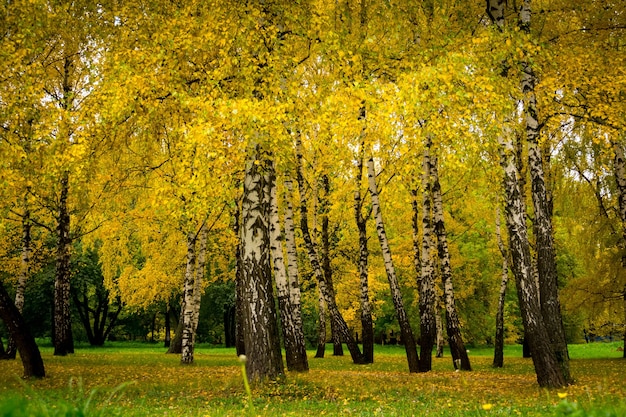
x: 453, y: 326
x: 396, y: 295
x: 262, y: 343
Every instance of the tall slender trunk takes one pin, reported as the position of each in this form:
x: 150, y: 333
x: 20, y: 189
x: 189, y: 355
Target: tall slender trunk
x: 453, y: 325
x: 547, y: 368
x: 498, y: 355
x: 329, y: 297
x: 619, y: 171
x: 28, y: 349
x: 300, y: 361
x: 396, y: 295
x: 168, y: 326
x: 62, y: 337
x: 188, y: 295
x: 367, y: 324
x: 262, y: 342
x: 24, y: 271
x: 326, y: 263
x: 295, y: 351
x: 428, y: 325
x: 239, y: 284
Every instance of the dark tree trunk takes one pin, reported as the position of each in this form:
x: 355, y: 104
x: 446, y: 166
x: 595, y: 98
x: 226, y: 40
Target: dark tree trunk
x: 498, y: 355
x: 63, y: 341
x: 26, y: 346
x: 453, y: 326
x: 321, y: 325
x: 262, y: 341
x: 367, y: 324
x: 326, y: 266
x: 176, y: 345
x: 229, y: 326
x: 240, y: 347
x: 168, y: 326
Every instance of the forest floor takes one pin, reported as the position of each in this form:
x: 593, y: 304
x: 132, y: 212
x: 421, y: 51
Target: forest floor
x: 130, y: 379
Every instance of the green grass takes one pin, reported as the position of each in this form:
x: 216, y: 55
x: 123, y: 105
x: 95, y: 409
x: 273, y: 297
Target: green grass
x: 124, y: 379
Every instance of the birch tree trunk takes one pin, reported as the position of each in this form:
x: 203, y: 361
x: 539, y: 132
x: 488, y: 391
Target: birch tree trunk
x: 24, y: 272
x: 547, y: 368
x: 428, y: 325
x: 188, y: 303
x: 262, y: 342
x: 396, y: 295
x: 62, y: 332
x: 498, y: 355
x: 295, y: 350
x: 26, y: 346
x: 328, y: 296
x: 453, y: 325
x: 300, y: 361
x: 367, y: 325
x: 546, y: 258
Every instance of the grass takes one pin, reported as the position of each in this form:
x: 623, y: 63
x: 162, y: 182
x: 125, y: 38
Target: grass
x: 126, y: 379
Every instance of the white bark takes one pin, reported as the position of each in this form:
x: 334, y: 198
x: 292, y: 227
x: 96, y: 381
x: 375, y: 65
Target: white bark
x: 188, y: 302
x: 394, y: 286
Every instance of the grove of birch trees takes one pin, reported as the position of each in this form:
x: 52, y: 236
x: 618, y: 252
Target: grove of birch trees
x: 350, y: 159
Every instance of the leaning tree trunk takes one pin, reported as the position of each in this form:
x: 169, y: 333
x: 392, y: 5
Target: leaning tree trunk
x: 326, y: 264
x: 329, y: 297
x: 548, y: 370
x: 396, y: 295
x: 295, y: 350
x: 546, y: 258
x: 24, y: 272
x: 453, y: 325
x: 498, y: 354
x: 29, y: 352
x: 262, y: 341
x: 300, y: 361
x: 62, y: 333
x: 428, y: 325
x: 367, y: 324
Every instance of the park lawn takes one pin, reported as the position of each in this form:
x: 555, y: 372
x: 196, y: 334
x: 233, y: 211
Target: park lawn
x: 141, y: 380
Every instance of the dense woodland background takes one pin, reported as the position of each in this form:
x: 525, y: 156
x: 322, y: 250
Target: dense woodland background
x: 126, y: 127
